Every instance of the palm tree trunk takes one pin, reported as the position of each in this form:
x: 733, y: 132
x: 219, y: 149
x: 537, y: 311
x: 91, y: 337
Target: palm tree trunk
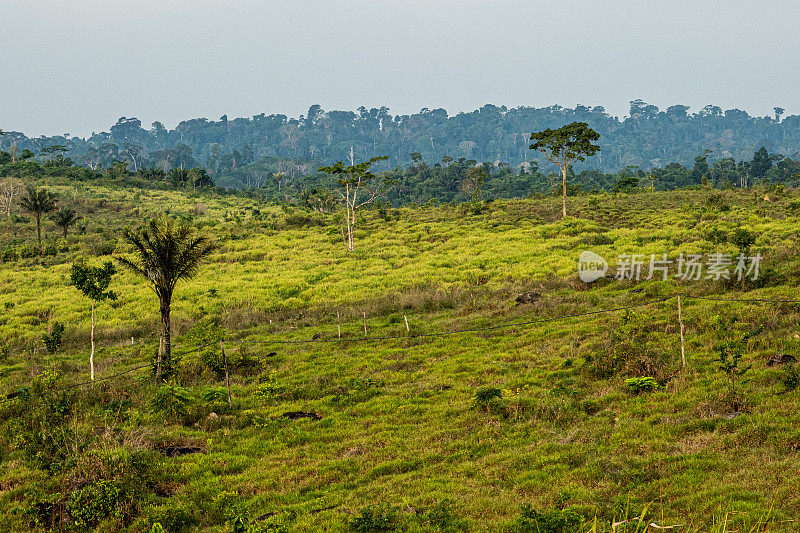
x: 39, y: 231
x: 164, y: 362
x: 91, y: 357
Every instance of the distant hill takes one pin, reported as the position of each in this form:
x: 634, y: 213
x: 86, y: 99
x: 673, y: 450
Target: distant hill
x: 648, y: 137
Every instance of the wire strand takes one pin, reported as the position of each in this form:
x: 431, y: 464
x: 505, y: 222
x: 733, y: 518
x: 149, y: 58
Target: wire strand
x: 17, y: 395
x: 453, y: 332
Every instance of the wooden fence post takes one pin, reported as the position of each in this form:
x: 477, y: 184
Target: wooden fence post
x: 680, y: 323
x: 338, y: 324
x: 227, y: 378
x: 408, y: 330
x: 365, y: 323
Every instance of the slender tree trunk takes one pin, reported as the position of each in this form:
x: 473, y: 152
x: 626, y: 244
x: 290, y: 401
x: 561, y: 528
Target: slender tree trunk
x: 164, y: 362
x: 564, y: 191
x: 351, y: 228
x: 350, y: 215
x: 39, y: 231
x: 91, y: 356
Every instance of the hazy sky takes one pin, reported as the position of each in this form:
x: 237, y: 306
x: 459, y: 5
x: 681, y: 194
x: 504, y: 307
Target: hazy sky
x: 78, y: 66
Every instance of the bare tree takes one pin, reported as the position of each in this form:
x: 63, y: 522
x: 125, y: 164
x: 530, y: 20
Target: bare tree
x: 355, y: 180
x: 10, y: 188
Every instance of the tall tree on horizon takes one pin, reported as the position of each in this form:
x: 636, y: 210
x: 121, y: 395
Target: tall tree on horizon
x: 564, y: 146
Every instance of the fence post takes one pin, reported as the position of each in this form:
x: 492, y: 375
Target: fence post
x: 680, y: 323
x: 227, y: 378
x: 365, y: 322
x: 408, y: 330
x: 338, y: 324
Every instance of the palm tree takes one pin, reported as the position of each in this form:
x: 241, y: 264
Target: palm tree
x: 164, y: 253
x: 38, y: 202
x: 65, y: 218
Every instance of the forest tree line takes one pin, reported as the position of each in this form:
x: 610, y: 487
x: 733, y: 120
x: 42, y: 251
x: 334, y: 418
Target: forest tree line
x: 647, y: 138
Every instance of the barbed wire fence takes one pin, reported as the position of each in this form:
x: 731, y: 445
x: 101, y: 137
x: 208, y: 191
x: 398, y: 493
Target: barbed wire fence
x: 23, y: 392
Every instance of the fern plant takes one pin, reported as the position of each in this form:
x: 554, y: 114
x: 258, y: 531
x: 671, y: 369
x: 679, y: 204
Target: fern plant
x: 642, y: 384
x: 172, y: 400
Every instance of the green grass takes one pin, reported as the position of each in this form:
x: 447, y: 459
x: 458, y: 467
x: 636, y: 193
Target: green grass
x: 400, y: 427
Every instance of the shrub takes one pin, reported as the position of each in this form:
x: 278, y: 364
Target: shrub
x: 42, y: 429
x: 215, y: 394
x: 300, y: 221
x: 52, y: 342
x: 95, y: 503
x: 642, y: 384
x: 717, y: 236
x: 442, y: 518
x: 630, y: 348
x: 51, y: 248
x: 717, y: 201
x: 174, y: 517
x: 28, y: 251
x: 172, y: 400
x: 99, y: 245
x: 376, y: 518
x: 743, y: 239
x: 791, y: 377
x: 549, y: 521
x: 484, y: 396
x: 731, y: 351
x: 358, y: 390
x: 8, y: 255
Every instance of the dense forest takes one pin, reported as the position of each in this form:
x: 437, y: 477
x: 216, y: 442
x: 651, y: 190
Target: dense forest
x: 429, y: 152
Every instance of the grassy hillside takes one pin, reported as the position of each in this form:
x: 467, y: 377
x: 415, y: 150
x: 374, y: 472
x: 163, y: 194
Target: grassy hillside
x: 454, y: 432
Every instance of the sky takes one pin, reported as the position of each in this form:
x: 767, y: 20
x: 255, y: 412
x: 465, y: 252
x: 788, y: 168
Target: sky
x: 76, y: 67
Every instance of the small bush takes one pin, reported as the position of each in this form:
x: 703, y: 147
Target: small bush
x: 717, y: 201
x: 442, y: 518
x: 743, y: 239
x: 215, y: 394
x: 174, y: 517
x: 29, y: 251
x: 172, y: 400
x: 95, y: 503
x: 51, y: 248
x: 484, y: 396
x: 301, y: 221
x: 790, y: 377
x: 549, y: 521
x: 52, y: 342
x: 376, y: 518
x: 717, y: 236
x: 642, y: 384
x: 8, y: 255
